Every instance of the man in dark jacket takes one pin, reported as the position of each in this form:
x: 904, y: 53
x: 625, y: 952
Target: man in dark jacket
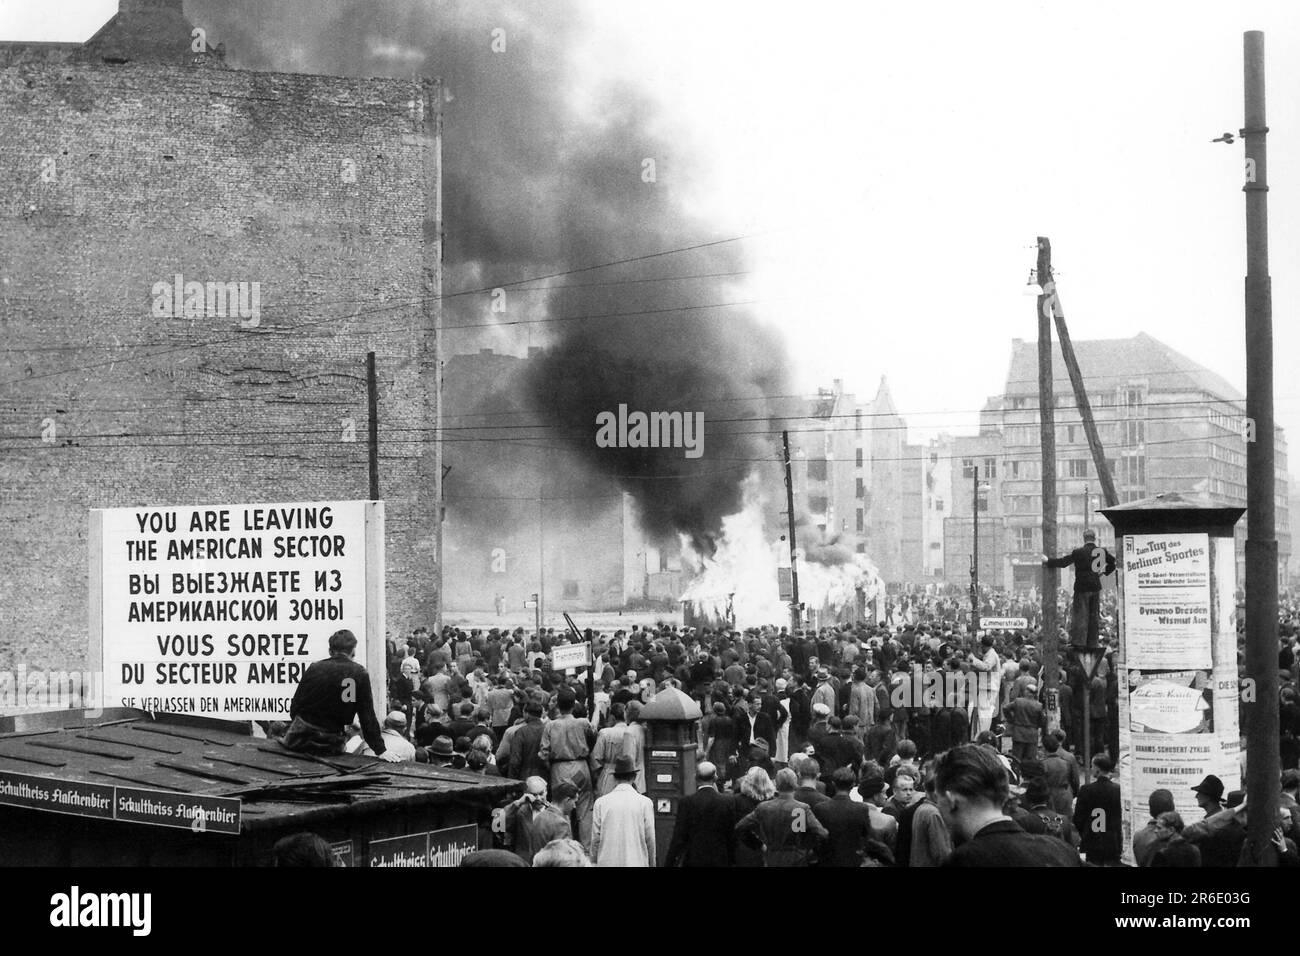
x: 1097, y: 815
x: 972, y: 787
x: 752, y: 724
x: 1028, y: 719
x: 703, y: 834
x: 787, y: 831
x: 881, y: 741
x: 1090, y: 563
x: 800, y: 706
x: 847, y: 822
x: 330, y: 695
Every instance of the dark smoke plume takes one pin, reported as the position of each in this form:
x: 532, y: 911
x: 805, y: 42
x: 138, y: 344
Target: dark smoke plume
x: 534, y: 186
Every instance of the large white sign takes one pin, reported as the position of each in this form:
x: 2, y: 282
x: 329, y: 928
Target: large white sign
x: 218, y: 610
x: 1167, y: 601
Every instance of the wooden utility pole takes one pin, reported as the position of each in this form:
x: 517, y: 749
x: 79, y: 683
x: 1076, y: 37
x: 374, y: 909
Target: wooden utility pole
x: 796, y: 617
x: 372, y: 396
x: 1047, y: 442
x: 1263, y: 765
x: 1080, y: 393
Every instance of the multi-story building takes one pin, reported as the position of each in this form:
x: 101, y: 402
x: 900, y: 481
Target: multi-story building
x: 976, y: 458
x: 892, y: 489
x: 828, y: 465
x: 1165, y: 423
x: 936, y: 505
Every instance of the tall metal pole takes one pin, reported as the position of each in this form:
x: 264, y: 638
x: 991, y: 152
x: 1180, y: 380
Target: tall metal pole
x: 1047, y: 441
x: 1263, y: 765
x: 372, y: 397
x: 1087, y: 506
x: 795, y: 616
x: 975, y: 550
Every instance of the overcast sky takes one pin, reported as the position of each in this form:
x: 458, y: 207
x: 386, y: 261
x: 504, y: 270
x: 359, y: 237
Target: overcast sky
x: 898, y: 160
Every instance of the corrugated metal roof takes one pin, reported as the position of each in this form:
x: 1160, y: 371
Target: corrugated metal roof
x: 274, y: 785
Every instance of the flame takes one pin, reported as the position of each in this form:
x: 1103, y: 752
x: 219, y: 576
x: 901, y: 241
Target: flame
x: 742, y: 572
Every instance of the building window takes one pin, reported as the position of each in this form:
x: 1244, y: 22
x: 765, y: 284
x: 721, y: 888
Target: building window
x: 1133, y: 470
x: 990, y: 468
x: 938, y: 504
x: 1135, y: 433
x: 1024, y: 540
x: 857, y: 419
x: 968, y: 468
x: 1077, y: 468
x: 858, y: 459
x: 570, y: 589
x: 859, y: 488
x: 817, y: 504
x: 862, y: 549
x: 816, y: 469
x: 1018, y: 401
x: 862, y: 520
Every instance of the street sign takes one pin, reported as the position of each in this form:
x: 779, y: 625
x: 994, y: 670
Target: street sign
x: 784, y: 585
x: 566, y: 657
x: 1004, y: 623
x: 530, y: 604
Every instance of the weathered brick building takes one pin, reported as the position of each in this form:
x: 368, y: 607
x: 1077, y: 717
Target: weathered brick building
x: 141, y: 156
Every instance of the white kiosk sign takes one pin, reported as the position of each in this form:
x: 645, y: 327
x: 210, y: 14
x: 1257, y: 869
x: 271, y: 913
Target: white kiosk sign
x: 218, y: 610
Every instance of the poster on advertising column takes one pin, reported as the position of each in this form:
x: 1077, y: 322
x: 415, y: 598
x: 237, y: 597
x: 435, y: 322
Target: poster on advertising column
x: 1167, y: 601
x: 1171, y: 733
x: 218, y: 610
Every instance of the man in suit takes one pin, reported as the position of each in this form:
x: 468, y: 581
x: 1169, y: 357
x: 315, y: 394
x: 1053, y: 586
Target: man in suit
x: 703, y: 833
x: 752, y: 723
x: 1097, y: 815
x: 847, y: 821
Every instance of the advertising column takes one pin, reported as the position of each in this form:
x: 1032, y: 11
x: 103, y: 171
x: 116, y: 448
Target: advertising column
x: 1177, y: 662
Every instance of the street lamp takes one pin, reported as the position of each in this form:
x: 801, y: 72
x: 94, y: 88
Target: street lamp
x: 976, y: 488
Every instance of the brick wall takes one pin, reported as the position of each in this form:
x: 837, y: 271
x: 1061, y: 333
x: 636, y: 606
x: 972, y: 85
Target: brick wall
x: 116, y: 177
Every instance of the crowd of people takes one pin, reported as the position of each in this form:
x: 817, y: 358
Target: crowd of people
x: 915, y: 744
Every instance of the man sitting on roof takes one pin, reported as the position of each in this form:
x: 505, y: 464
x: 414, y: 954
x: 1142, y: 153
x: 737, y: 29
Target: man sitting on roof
x: 332, y: 692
